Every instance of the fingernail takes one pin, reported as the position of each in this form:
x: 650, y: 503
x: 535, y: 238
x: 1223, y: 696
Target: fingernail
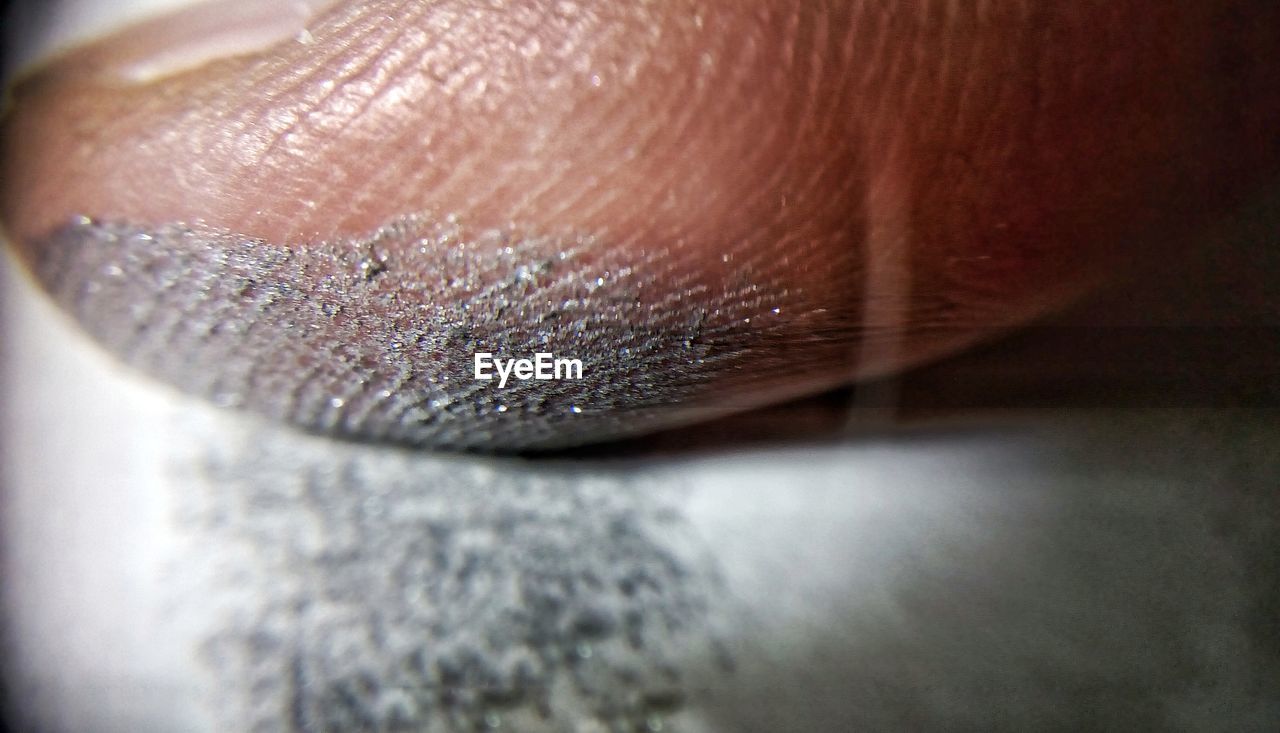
x: 140, y: 41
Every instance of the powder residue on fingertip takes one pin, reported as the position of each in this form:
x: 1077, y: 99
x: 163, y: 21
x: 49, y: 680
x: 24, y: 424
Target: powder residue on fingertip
x: 374, y: 337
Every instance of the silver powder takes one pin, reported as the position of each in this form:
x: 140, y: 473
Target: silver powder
x: 374, y: 338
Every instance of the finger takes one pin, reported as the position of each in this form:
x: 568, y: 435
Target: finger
x: 712, y: 205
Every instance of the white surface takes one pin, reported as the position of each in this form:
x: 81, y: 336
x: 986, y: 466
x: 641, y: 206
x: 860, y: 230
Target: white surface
x: 87, y: 544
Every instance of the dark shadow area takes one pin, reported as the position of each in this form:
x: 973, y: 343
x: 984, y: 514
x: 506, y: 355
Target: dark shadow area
x: 1199, y: 328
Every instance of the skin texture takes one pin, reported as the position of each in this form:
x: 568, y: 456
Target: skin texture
x: 170, y: 567
x: 811, y: 192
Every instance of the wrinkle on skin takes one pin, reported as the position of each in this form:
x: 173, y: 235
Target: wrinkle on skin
x: 1024, y: 149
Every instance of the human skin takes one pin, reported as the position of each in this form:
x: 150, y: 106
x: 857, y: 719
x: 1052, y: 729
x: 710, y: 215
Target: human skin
x: 173, y: 567
x: 757, y: 201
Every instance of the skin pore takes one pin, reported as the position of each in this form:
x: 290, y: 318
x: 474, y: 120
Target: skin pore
x: 173, y: 567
